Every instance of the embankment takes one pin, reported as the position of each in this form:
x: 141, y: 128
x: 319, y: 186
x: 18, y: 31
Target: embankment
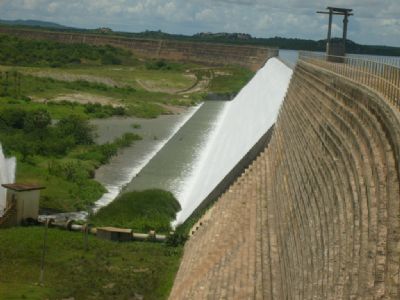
x: 316, y: 215
x: 251, y: 57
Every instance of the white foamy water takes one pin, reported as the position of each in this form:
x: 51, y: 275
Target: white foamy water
x: 128, y: 173
x: 242, y: 123
x: 7, y: 175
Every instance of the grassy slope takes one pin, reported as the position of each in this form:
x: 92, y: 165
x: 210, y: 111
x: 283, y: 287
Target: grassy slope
x: 141, y: 211
x: 107, y: 271
x: 231, y: 80
x: 122, y: 75
x: 60, y: 194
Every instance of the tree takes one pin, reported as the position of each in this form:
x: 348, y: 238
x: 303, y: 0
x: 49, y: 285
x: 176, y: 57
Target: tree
x: 37, y: 120
x: 13, y: 117
x: 76, y: 127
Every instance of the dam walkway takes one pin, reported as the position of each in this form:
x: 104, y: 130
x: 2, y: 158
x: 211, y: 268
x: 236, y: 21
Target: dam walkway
x: 316, y: 215
x: 382, y: 75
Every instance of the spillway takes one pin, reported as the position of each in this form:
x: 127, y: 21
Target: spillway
x: 119, y: 173
x: 7, y: 175
x: 240, y: 125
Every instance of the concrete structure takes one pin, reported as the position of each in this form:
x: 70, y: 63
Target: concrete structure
x: 337, y: 48
x: 114, y: 234
x: 251, y: 57
x: 238, y: 136
x: 316, y: 215
x: 22, y: 203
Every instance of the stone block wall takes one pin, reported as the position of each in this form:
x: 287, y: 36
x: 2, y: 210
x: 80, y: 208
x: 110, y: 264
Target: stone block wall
x: 317, y: 214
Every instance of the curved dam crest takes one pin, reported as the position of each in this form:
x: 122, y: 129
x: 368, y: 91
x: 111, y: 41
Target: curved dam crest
x: 240, y: 125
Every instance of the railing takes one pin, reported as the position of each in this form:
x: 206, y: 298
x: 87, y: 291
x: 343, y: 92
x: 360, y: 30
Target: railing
x: 382, y: 75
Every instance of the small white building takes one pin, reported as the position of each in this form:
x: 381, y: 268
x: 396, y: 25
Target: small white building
x: 22, y: 201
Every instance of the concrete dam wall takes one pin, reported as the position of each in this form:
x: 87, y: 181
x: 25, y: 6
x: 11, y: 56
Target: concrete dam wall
x: 242, y: 124
x: 316, y: 215
x: 251, y: 57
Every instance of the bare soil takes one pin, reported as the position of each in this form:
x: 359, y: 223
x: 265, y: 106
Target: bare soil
x: 83, y: 98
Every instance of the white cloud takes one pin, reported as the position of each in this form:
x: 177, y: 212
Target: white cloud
x: 52, y: 7
x: 206, y: 15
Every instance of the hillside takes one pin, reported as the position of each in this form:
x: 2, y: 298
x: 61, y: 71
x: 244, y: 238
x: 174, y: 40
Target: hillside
x: 33, y: 23
x: 221, y: 37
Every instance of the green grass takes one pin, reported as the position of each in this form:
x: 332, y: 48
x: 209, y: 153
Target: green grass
x: 138, y: 102
x: 140, y: 210
x: 122, y: 75
x: 60, y: 194
x: 62, y: 156
x: 108, y: 270
x: 28, y: 52
x: 57, y: 111
x: 68, y: 180
x: 231, y: 80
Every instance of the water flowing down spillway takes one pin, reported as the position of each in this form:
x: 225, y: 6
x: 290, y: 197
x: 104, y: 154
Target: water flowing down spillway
x: 170, y: 168
x: 7, y: 175
x: 242, y: 123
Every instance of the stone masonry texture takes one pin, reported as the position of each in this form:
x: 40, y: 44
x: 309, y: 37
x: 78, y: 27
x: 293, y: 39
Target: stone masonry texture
x: 316, y: 215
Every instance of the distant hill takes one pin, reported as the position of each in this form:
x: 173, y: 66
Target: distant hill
x: 33, y: 23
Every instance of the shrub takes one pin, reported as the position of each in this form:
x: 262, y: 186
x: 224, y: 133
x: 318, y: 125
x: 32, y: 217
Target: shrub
x: 37, y: 120
x: 142, y: 211
x: 13, y: 117
x: 78, y: 128
x: 23, y: 52
x: 70, y: 171
x: 103, y: 153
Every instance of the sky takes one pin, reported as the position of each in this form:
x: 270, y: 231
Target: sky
x: 374, y: 22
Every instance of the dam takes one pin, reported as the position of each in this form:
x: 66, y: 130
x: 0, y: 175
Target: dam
x: 224, y: 137
x: 316, y: 215
x: 315, y: 212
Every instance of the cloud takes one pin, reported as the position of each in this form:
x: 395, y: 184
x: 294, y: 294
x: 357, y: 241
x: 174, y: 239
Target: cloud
x: 374, y: 22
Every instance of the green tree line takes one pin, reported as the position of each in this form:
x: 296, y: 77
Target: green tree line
x: 24, y: 52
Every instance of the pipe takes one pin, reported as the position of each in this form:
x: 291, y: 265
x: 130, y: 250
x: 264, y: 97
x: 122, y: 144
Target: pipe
x: 70, y: 226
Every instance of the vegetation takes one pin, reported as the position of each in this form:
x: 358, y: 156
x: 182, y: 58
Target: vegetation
x: 236, y: 38
x: 138, y: 88
x: 62, y: 153
x: 61, y: 156
x: 223, y: 37
x: 161, y: 64
x: 141, y: 211
x: 127, y: 100
x: 230, y: 81
x: 108, y: 270
x: 18, y: 52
